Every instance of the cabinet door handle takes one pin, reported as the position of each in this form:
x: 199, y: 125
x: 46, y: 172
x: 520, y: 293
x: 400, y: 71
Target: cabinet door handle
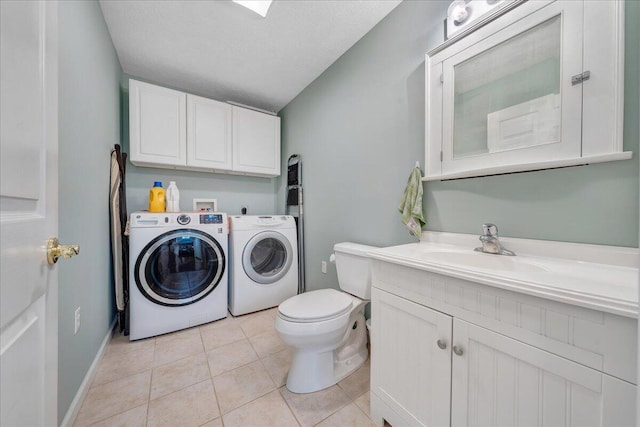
x: 457, y: 350
x: 442, y: 344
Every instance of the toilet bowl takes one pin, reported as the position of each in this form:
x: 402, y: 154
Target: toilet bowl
x: 326, y: 327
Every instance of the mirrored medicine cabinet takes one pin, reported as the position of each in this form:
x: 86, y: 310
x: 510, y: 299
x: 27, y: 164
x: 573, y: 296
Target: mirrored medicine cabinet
x: 537, y: 85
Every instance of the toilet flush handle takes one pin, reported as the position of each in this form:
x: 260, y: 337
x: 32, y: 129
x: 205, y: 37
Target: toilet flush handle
x: 332, y: 259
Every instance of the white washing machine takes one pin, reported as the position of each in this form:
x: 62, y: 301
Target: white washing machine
x: 264, y: 262
x: 178, y: 271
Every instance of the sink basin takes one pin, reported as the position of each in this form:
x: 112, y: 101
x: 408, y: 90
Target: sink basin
x: 483, y: 261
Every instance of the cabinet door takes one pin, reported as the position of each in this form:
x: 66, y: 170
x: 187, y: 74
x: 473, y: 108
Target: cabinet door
x: 208, y: 133
x: 157, y: 125
x: 509, y: 99
x: 410, y: 373
x: 603, y: 93
x: 498, y: 381
x: 256, y: 142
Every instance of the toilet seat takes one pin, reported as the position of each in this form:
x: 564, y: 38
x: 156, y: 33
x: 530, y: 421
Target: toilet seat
x: 315, y: 306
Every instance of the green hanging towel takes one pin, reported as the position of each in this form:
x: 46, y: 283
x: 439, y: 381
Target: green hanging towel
x: 411, y: 204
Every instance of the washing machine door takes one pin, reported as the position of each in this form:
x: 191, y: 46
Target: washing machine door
x: 180, y: 267
x: 267, y: 257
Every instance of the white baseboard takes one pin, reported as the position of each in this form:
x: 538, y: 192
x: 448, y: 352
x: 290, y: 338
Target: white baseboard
x: 76, y: 404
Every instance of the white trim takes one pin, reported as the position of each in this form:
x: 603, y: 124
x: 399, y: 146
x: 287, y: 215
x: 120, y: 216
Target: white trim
x: 83, y: 390
x: 249, y: 107
x: 530, y: 167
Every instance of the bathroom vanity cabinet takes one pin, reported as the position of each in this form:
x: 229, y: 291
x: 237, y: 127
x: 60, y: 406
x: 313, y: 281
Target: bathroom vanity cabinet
x: 172, y: 129
x: 537, y: 85
x: 460, y: 352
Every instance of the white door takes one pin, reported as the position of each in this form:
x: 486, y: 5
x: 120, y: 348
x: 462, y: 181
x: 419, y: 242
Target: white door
x: 256, y: 142
x: 410, y: 361
x: 208, y: 133
x: 498, y: 381
x: 28, y: 213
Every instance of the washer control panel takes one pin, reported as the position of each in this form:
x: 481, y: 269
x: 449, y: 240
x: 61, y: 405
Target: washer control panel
x: 211, y: 219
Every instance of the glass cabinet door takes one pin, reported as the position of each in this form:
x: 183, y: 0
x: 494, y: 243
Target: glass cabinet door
x: 508, y: 98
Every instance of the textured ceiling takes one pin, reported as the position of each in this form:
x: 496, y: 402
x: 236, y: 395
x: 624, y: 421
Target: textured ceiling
x: 222, y: 50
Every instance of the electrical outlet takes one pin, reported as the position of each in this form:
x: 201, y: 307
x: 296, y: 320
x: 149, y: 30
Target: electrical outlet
x: 324, y: 267
x: 76, y: 321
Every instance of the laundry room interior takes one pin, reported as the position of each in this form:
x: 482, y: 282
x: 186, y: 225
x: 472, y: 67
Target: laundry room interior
x: 405, y: 276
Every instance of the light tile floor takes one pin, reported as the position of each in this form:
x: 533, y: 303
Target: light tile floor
x: 227, y: 373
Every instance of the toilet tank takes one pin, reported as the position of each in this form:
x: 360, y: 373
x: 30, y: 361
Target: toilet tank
x: 354, y: 268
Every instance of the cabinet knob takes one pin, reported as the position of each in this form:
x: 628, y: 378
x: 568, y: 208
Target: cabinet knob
x: 442, y: 344
x: 457, y: 350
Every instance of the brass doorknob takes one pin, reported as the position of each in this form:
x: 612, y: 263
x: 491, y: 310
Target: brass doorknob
x: 55, y: 250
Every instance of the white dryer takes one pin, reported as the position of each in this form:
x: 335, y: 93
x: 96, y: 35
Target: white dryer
x: 178, y: 271
x: 264, y: 262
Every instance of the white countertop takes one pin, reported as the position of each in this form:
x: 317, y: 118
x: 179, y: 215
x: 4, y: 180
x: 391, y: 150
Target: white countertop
x: 611, y: 287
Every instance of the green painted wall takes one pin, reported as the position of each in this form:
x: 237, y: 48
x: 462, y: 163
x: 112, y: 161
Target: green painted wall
x: 360, y: 128
x: 231, y: 191
x: 89, y: 119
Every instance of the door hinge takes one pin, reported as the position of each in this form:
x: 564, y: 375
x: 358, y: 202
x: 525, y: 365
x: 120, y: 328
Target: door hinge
x: 441, y: 156
x: 579, y: 78
x: 441, y: 78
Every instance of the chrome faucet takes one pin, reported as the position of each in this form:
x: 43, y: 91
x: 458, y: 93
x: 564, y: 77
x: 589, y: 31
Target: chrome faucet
x: 490, y: 242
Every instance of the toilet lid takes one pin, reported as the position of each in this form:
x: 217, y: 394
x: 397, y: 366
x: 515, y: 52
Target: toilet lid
x: 316, y: 305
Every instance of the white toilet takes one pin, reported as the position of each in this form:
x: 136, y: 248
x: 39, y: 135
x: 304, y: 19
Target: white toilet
x: 326, y: 327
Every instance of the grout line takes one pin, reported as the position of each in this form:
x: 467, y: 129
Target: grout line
x: 186, y: 386
x: 118, y: 358
x: 180, y: 358
x: 360, y: 409
x: 251, y: 401
x: 215, y: 393
x: 146, y: 420
x: 334, y: 412
x: 286, y: 402
x: 115, y: 415
x: 233, y: 369
x: 258, y: 397
x: 177, y: 360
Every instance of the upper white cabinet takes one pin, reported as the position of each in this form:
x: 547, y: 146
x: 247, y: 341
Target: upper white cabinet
x: 256, y: 147
x: 538, y: 86
x: 209, y: 133
x: 171, y: 129
x: 157, y: 125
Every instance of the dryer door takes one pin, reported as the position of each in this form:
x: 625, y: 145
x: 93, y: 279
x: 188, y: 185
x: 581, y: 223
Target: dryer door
x: 180, y: 267
x: 267, y: 257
